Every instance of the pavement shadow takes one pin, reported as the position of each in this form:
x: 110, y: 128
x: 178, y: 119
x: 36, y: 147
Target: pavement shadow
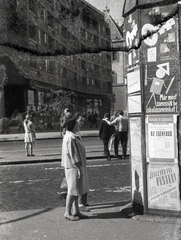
x: 126, y: 213
x: 108, y: 205
x: 110, y: 215
x: 25, y: 217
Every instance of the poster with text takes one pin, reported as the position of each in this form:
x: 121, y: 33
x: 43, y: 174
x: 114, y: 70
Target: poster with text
x: 160, y: 60
x: 163, y: 186
x: 161, y: 134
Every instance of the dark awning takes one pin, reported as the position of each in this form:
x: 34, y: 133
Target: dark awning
x: 131, y: 5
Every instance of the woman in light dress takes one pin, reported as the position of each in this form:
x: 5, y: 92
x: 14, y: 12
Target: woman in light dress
x: 74, y: 163
x: 30, y: 135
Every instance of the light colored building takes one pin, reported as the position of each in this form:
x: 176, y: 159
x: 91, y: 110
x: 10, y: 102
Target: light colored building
x: 118, y: 63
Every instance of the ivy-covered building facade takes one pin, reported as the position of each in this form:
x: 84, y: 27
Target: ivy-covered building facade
x: 51, y: 45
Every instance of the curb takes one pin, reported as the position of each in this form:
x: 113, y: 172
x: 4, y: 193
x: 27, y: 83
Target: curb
x: 159, y: 219
x: 51, y: 160
x: 42, y: 138
x: 42, y: 160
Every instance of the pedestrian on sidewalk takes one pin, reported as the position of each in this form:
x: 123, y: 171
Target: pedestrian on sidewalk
x: 30, y: 135
x: 82, y: 198
x: 121, y: 134
x: 112, y: 138
x: 67, y: 114
x: 74, y: 163
x: 94, y: 119
x: 105, y: 133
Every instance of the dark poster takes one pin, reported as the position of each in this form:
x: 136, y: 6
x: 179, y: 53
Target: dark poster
x: 160, y: 60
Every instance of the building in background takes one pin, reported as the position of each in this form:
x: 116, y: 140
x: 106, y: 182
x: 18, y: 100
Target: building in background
x: 51, y: 45
x: 118, y: 63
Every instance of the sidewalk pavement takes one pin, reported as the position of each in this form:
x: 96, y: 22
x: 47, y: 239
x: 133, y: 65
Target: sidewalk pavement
x: 106, y: 220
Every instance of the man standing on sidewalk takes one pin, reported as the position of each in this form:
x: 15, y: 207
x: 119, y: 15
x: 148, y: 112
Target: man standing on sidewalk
x: 121, y: 134
x: 105, y: 134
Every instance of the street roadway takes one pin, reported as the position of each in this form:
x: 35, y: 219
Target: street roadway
x: 47, y: 149
x: 35, y: 186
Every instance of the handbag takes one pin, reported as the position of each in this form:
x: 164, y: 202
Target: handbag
x: 64, y: 184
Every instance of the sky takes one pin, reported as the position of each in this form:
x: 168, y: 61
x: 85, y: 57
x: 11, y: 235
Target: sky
x: 115, y: 7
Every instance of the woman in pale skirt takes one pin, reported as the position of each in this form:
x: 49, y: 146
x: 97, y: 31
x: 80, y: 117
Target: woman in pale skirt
x: 30, y: 135
x: 74, y: 163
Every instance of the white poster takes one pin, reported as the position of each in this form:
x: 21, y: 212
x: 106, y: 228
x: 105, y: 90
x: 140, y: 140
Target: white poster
x: 163, y: 186
x: 134, y: 104
x: 161, y: 138
x: 133, y: 81
x: 151, y: 54
x: 135, y: 137
x: 136, y: 160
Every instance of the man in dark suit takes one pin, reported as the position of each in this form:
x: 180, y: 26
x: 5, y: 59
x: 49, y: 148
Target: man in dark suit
x: 105, y: 132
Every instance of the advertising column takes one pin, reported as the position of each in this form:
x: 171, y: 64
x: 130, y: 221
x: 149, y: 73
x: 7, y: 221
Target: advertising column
x: 134, y: 109
x: 161, y: 97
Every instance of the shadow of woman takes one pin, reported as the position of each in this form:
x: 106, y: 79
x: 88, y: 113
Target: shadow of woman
x: 137, y: 197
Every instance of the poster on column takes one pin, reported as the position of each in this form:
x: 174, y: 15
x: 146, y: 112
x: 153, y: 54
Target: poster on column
x: 136, y: 160
x: 161, y: 134
x: 163, y: 186
x: 160, y: 61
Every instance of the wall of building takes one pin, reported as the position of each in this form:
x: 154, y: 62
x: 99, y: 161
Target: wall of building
x: 55, y: 37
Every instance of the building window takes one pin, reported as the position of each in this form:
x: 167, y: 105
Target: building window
x: 114, y: 77
x: 45, y: 38
x: 115, y: 56
x: 95, y: 25
x: 32, y: 31
x: 64, y: 32
x: 96, y: 39
x: 65, y: 73
x: 51, y: 67
x: 97, y: 83
x: 83, y: 65
x: 33, y: 63
x: 41, y: 12
x: 32, y: 6
x: 109, y: 73
x: 108, y: 56
x: 51, y: 43
x: 75, y: 78
x: 46, y: 64
x: 84, y: 81
x: 50, y: 20
x: 42, y: 37
x: 107, y: 31
x: 88, y: 81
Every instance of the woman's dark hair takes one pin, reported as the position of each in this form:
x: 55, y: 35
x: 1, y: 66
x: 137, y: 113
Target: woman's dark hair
x: 106, y: 115
x: 70, y: 123
x: 121, y: 112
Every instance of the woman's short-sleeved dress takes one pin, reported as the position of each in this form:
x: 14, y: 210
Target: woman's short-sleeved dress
x: 29, y: 132
x: 72, y: 152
